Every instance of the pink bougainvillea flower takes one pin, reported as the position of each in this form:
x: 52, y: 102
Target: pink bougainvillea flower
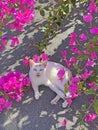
x: 74, y: 95
x: 26, y: 81
x: 86, y: 74
x: 44, y: 57
x: 2, y: 48
x: 2, y: 103
x: 90, y: 117
x: 64, y: 54
x: 88, y: 18
x: 92, y: 8
x: 64, y: 122
x: 90, y: 46
x: 17, y: 26
x: 93, y: 86
x: 79, y: 52
x: 74, y: 50
x: 73, y: 88
x: 83, y: 37
x: 91, y: 99
x: 72, y: 42
x: 4, y: 41
x: 26, y: 61
x: 75, y: 79
x: 86, y: 52
x: 68, y: 63
x: 8, y: 104
x: 73, y: 35
x: 94, y: 30
x: 14, y: 41
x: 96, y: 43
x: 69, y: 101
x: 73, y: 60
x: 25, y: 16
x: 90, y: 63
x: 13, y: 84
x: 94, y: 55
x: 61, y: 74
x: 36, y: 58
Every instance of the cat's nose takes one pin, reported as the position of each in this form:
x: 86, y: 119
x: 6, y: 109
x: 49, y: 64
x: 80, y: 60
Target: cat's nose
x: 38, y: 74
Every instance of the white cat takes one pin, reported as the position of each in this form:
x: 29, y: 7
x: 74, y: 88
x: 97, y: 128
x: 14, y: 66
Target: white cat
x: 45, y: 73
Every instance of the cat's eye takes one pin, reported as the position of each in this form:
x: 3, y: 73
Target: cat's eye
x: 41, y: 69
x: 35, y: 69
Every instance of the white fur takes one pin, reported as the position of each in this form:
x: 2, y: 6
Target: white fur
x: 46, y: 74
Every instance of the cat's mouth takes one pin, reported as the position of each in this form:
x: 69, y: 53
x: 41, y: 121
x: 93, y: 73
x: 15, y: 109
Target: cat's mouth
x: 38, y: 75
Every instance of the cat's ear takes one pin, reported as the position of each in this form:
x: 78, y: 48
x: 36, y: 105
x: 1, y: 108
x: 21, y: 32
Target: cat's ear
x: 44, y: 63
x: 31, y: 63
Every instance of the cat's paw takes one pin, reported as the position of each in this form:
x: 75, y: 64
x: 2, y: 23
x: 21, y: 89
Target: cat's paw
x: 37, y: 96
x: 53, y: 102
x: 65, y: 104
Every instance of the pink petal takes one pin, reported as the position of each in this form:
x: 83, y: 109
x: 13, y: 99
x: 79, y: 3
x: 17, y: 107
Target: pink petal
x: 44, y: 57
x: 83, y: 37
x: 88, y: 18
x: 90, y: 117
x: 64, y: 122
x: 36, y: 58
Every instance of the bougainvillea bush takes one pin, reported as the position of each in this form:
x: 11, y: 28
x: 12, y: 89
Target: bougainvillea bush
x: 14, y: 14
x: 84, y: 60
x: 84, y: 50
x: 12, y: 87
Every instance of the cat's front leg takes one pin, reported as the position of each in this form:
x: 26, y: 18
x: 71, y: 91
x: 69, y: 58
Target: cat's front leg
x: 37, y: 95
x: 36, y: 92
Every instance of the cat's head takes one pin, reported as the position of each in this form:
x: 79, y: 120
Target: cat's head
x: 38, y: 68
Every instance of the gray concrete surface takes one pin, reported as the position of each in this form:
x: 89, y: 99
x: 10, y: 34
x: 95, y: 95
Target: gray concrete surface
x: 30, y: 114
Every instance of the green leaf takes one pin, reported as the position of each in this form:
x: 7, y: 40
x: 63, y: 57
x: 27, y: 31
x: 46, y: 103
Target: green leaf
x: 66, y: 9
x: 54, y: 18
x: 81, y: 123
x: 75, y: 66
x: 82, y: 129
x: 79, y: 115
x: 81, y: 85
x: 73, y: 2
x: 90, y: 91
x: 96, y: 105
x: 1, y: 93
x: 1, y: 33
x: 42, y: 12
x: 65, y: 88
x: 58, y: 24
x: 83, y: 107
x: 46, y: 7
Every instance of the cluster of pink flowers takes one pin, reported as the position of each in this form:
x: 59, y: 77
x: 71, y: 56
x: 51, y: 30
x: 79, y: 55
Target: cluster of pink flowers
x: 15, y: 14
x: 90, y: 117
x: 36, y: 58
x: 12, y: 87
x: 88, y: 56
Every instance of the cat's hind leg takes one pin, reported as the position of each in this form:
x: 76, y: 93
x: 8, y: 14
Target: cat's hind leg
x: 55, y: 89
x: 55, y: 100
